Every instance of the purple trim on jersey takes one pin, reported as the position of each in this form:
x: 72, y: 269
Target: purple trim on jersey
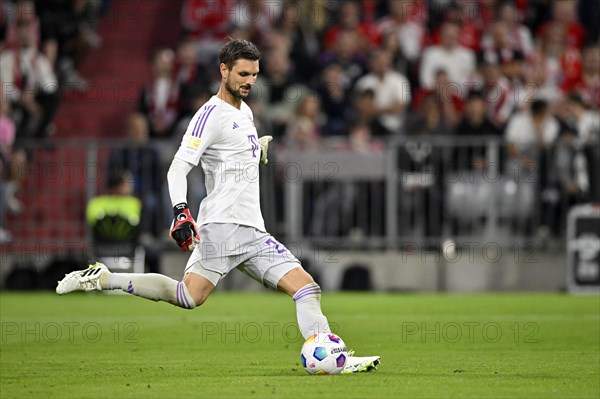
x: 198, y: 121
x: 199, y: 127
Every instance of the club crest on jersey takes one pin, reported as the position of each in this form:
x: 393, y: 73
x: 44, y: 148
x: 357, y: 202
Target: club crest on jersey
x: 253, y: 144
x: 193, y: 142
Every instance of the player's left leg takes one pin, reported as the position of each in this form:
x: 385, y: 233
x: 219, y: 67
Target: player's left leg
x: 156, y: 287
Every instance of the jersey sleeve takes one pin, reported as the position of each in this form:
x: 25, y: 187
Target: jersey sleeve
x: 203, y: 130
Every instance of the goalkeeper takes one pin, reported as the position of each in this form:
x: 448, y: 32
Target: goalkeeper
x: 231, y: 234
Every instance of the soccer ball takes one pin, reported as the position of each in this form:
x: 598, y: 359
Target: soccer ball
x: 324, y: 353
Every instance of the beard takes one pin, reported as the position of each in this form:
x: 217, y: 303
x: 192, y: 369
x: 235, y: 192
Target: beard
x: 236, y: 93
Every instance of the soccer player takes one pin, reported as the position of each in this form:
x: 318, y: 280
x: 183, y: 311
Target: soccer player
x: 231, y: 233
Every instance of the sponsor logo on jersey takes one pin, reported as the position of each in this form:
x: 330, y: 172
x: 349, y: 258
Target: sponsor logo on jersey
x: 235, y: 125
x: 194, y: 142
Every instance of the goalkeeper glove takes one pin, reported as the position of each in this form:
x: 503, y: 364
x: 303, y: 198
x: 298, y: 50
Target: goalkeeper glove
x: 183, y: 228
x: 264, y: 148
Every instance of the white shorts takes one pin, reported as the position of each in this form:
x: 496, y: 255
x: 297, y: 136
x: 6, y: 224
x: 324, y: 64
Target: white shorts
x: 225, y: 246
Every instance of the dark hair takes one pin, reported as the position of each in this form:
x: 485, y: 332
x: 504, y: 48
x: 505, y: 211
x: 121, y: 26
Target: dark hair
x: 575, y: 97
x: 475, y: 94
x: 117, y: 177
x: 237, y: 49
x: 538, y: 107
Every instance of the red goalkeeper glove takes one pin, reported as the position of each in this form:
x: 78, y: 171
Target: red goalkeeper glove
x: 183, y: 228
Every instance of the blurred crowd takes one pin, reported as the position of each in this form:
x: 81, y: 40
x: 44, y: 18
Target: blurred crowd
x: 42, y: 44
x: 347, y: 75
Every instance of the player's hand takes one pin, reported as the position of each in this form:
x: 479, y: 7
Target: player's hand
x: 264, y: 148
x: 183, y: 228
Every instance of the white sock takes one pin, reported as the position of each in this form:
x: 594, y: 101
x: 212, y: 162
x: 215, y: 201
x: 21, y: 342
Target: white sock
x: 156, y: 287
x: 308, y: 310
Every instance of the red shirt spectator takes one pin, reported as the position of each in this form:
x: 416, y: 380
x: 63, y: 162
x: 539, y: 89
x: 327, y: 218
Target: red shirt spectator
x: 206, y: 18
x: 565, y: 16
x: 350, y: 21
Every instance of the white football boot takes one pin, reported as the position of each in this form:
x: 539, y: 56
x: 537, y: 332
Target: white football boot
x: 82, y: 280
x: 357, y: 364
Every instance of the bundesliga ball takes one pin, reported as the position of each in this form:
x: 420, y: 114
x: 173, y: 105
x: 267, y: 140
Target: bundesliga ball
x: 324, y: 353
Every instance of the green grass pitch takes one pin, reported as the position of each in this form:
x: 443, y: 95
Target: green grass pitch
x: 246, y: 345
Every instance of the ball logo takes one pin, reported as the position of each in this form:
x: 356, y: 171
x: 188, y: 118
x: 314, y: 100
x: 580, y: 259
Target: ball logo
x: 334, y: 338
x: 338, y: 350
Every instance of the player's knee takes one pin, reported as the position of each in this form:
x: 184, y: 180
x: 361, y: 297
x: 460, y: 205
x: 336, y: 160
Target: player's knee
x: 196, y: 297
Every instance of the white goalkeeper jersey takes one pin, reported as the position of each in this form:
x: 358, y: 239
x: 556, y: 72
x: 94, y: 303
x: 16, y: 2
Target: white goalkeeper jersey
x: 224, y: 140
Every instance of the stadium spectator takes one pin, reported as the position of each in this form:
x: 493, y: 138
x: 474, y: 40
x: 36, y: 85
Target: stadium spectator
x: 189, y: 74
x: 409, y: 33
x: 68, y: 36
x: 564, y: 19
x: 278, y: 88
x: 392, y: 93
x: 30, y: 84
x: 142, y: 161
x: 588, y: 86
x: 429, y: 121
x: 419, y: 162
x: 304, y: 44
x: 364, y: 109
x: 24, y: 13
x: 12, y: 167
x: 448, y: 94
x: 256, y: 17
x: 518, y: 36
x: 568, y: 179
x: 464, y: 15
x: 498, y: 92
x: 207, y: 21
x: 303, y: 131
x: 560, y: 61
x: 346, y: 53
x: 349, y: 15
x: 586, y: 121
x: 474, y: 122
x: 336, y: 100
x: 458, y: 61
x: 160, y: 99
x: 529, y: 133
x: 115, y: 219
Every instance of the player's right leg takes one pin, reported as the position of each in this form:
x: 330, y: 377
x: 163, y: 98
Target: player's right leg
x: 189, y: 293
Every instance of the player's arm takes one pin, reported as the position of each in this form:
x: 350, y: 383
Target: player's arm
x: 200, y: 134
x: 183, y: 229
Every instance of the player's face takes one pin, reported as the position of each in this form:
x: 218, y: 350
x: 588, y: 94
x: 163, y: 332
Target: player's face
x: 240, y: 79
